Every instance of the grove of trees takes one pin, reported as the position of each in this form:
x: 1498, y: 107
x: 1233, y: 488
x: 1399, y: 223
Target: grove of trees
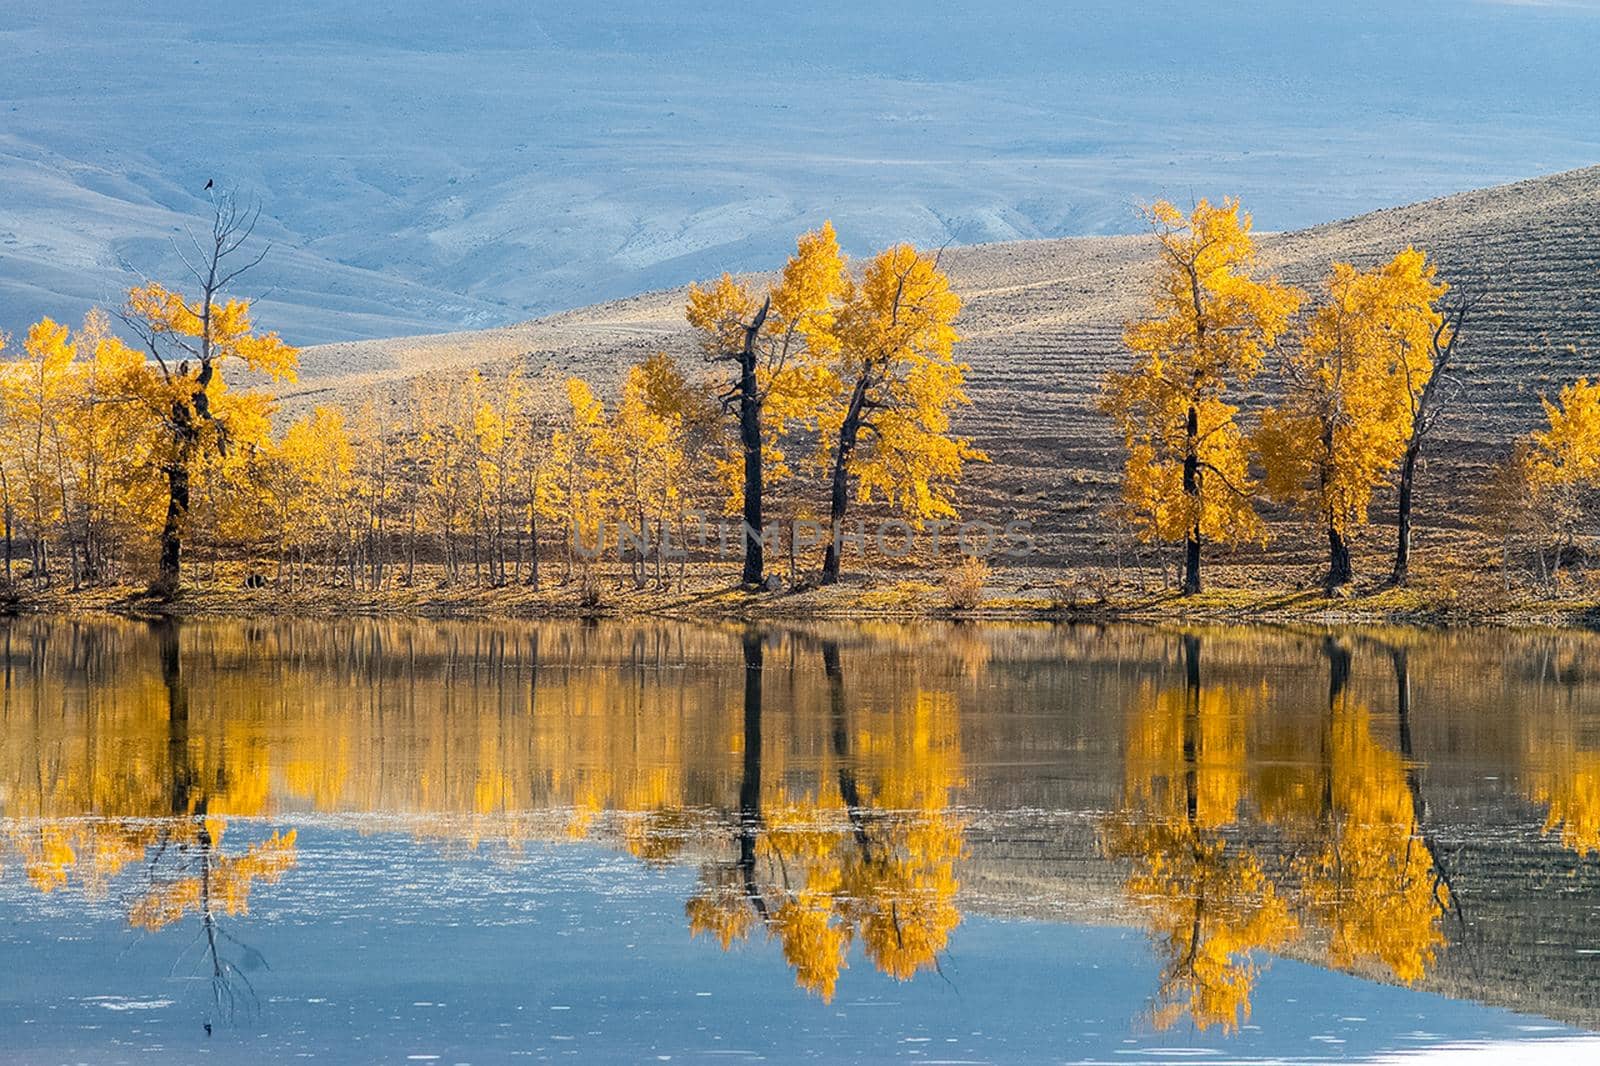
x: 1365, y: 373
x: 121, y: 464
x: 144, y: 444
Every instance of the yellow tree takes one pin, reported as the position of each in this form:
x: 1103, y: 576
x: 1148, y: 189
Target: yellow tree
x: 315, y: 492
x: 1552, y: 475
x: 377, y: 480
x: 108, y: 445
x: 534, y: 408
x: 893, y: 381
x: 229, y: 500
x: 444, y: 467
x: 642, y: 450
x: 1209, y: 326
x: 657, y: 438
x: 690, y: 408
x: 762, y: 342
x: 493, y: 444
x: 583, y: 492
x: 8, y: 471
x: 38, y: 391
x: 191, y: 342
x: 1344, y: 423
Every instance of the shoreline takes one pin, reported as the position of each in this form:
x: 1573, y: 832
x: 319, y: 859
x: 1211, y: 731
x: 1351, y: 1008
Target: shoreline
x: 857, y: 600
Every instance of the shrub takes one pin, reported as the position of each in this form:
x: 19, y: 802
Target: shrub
x: 589, y: 596
x: 963, y: 583
x: 1082, y: 590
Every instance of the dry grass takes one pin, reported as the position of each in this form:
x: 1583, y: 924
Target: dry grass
x: 1239, y: 593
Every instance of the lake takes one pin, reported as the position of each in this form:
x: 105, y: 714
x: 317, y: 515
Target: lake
x: 466, y: 842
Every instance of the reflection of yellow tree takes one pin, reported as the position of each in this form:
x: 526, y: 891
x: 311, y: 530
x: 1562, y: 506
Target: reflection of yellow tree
x: 1563, y: 776
x: 1206, y: 899
x: 135, y: 785
x: 213, y: 883
x: 1369, y: 877
x: 823, y: 884
x: 870, y: 853
x: 1209, y: 906
x: 1567, y: 783
x: 1371, y: 882
x: 53, y: 853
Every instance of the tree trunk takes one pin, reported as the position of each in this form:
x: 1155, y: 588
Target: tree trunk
x: 411, y: 543
x: 172, y: 529
x: 533, y: 549
x: 750, y: 443
x: 839, y: 497
x: 1402, y: 547
x: 1339, y: 571
x: 186, y: 418
x: 1191, y: 489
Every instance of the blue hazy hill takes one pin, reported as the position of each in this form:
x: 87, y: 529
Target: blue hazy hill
x: 427, y: 166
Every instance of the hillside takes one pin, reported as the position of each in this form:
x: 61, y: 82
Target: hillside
x: 1042, y: 323
x: 421, y: 172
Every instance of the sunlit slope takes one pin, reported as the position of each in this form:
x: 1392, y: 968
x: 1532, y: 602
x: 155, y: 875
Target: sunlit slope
x: 1043, y: 319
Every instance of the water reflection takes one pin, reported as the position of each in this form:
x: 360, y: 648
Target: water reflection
x: 865, y: 852
x: 1206, y: 899
x: 1250, y: 794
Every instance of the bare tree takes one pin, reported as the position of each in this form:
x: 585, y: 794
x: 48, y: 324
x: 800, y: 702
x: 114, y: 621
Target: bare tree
x: 187, y: 358
x: 1428, y: 401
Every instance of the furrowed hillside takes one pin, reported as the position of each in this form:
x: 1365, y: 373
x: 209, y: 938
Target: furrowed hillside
x: 1042, y: 324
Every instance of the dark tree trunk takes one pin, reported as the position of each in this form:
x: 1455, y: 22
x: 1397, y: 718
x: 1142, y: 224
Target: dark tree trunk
x: 1402, y: 547
x: 749, y: 396
x: 839, y: 495
x: 1191, y: 489
x: 750, y: 783
x: 1191, y: 727
x: 1339, y: 572
x: 172, y: 530
x: 750, y: 443
x: 187, y: 417
x: 849, y: 789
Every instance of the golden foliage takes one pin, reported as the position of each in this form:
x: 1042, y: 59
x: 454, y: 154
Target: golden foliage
x: 1209, y: 326
x: 223, y: 331
x: 895, y: 381
x: 1371, y: 881
x: 1348, y: 414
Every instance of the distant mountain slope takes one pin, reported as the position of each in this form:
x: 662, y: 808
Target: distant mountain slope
x: 1043, y: 319
x: 427, y: 167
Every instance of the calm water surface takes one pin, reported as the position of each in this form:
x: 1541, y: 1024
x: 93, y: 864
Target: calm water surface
x: 472, y: 843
